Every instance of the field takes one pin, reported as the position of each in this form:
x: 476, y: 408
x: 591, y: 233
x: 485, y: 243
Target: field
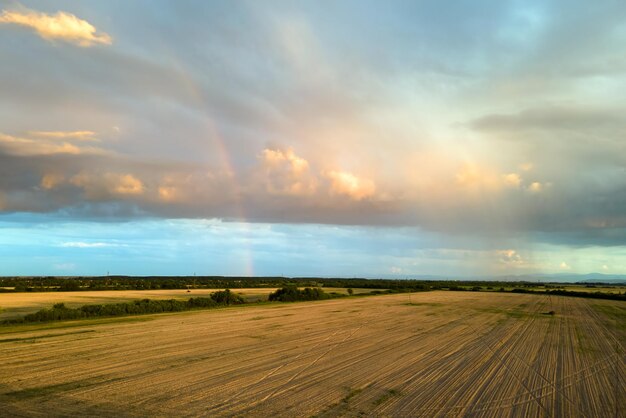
x: 18, y: 304
x: 572, y: 288
x: 435, y: 354
x: 602, y: 289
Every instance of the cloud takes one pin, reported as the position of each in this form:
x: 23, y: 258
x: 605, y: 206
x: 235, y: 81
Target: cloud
x: 275, y: 158
x: 168, y: 193
x: 291, y: 175
x: 286, y: 173
x: 536, y: 187
x: 125, y: 184
x: 109, y: 184
x: 46, y: 144
x: 60, y: 26
x: 587, y: 119
x: 564, y: 266
x: 188, y: 187
x: 51, y: 180
x: 526, y: 166
x: 477, y: 177
x: 24, y: 146
x: 509, y: 257
x: 69, y: 135
x: 80, y: 244
x: 64, y: 266
x: 347, y: 184
x: 485, y: 179
x: 367, y: 138
x: 512, y: 180
x: 92, y: 185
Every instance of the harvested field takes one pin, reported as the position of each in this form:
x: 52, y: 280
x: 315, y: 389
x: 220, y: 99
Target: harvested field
x: 444, y: 354
x: 18, y: 304
x: 593, y: 289
x: 13, y: 305
x: 573, y: 288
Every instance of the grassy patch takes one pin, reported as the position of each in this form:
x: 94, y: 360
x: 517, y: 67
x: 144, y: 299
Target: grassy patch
x: 517, y: 314
x: 351, y: 394
x: 45, y: 390
x: 48, y: 390
x: 583, y: 345
x: 509, y: 313
x: 10, y: 329
x: 386, y: 396
x: 341, y: 407
x: 431, y: 304
x: 617, y: 314
x: 39, y: 337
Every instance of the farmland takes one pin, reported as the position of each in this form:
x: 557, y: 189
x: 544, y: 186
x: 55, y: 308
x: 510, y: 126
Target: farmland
x: 13, y: 305
x: 427, y: 354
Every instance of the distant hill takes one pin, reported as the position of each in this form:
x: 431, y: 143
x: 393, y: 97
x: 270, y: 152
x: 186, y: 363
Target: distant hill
x: 604, y: 278
x: 558, y: 277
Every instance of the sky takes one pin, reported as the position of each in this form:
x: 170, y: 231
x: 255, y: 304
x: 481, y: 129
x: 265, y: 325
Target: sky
x: 312, y: 138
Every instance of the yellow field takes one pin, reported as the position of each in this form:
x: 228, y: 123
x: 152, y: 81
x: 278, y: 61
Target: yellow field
x: 446, y: 354
x: 18, y: 304
x: 568, y: 287
x: 602, y: 289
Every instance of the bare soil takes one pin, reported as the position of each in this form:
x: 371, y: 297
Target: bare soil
x: 441, y: 354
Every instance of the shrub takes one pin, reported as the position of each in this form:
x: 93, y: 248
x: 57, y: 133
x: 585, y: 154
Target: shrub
x: 226, y: 297
x: 144, y: 306
x: 293, y: 294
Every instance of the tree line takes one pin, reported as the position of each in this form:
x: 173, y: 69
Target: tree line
x: 574, y: 293
x: 293, y: 294
x: 74, y: 284
x: 60, y: 312
x: 222, y: 298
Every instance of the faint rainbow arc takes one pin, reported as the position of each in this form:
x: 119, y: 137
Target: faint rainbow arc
x: 195, y: 92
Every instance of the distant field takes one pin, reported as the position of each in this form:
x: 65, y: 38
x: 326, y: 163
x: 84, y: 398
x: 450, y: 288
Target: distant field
x: 611, y: 289
x: 444, y: 354
x: 568, y: 287
x: 17, y: 304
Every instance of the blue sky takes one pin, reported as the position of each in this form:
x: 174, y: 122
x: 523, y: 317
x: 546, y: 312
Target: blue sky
x: 312, y: 138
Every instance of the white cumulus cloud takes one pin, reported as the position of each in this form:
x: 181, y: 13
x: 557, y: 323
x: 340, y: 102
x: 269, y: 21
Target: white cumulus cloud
x: 80, y: 244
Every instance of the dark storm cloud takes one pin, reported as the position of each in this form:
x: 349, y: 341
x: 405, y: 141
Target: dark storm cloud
x: 583, y: 119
